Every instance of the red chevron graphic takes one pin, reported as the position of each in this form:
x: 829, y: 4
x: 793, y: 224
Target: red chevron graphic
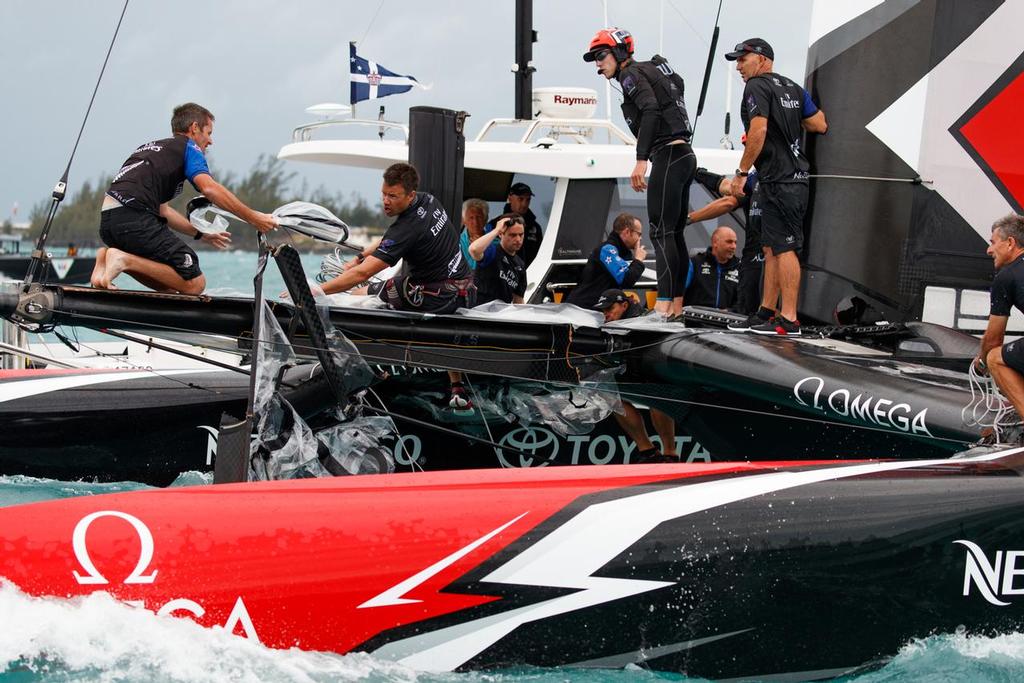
x: 990, y: 135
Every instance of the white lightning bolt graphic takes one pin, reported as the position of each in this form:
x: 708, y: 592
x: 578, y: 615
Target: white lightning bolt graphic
x: 568, y: 556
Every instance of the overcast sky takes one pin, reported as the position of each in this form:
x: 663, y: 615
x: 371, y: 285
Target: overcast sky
x: 257, y: 64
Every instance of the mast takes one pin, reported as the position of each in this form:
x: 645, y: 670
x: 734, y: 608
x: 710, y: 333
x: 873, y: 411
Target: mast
x: 523, y: 68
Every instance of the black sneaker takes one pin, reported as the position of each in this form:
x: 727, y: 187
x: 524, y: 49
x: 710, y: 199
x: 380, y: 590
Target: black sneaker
x: 778, y: 325
x: 761, y: 316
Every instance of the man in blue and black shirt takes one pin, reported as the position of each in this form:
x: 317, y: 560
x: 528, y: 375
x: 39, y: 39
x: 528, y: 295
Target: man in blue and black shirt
x: 618, y: 262
x: 136, y: 215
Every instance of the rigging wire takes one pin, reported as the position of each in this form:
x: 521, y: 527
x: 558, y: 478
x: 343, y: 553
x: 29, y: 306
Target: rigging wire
x: 39, y: 255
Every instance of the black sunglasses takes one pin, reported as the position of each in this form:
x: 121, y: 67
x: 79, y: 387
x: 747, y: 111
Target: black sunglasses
x: 601, y: 54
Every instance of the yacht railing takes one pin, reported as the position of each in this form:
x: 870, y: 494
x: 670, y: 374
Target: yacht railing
x: 305, y: 133
x: 578, y: 130
x: 581, y: 131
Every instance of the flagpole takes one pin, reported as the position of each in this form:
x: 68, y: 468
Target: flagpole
x: 352, y: 51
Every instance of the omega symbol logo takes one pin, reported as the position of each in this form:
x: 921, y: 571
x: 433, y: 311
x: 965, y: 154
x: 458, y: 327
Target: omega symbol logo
x: 92, y: 576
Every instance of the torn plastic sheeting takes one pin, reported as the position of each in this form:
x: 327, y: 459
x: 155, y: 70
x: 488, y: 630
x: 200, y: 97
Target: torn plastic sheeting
x: 358, y: 445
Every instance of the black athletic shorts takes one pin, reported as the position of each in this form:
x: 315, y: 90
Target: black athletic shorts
x: 402, y: 295
x: 783, y: 206
x: 143, y: 234
x: 1013, y: 355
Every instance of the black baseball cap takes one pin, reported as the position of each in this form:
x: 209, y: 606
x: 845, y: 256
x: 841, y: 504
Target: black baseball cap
x: 520, y: 189
x: 609, y: 297
x: 756, y: 45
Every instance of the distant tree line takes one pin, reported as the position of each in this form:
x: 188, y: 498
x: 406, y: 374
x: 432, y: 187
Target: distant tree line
x: 265, y: 187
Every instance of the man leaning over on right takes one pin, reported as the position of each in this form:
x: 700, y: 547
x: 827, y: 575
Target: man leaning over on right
x: 1006, y: 363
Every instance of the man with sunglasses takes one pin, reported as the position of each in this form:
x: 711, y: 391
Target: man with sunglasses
x: 618, y: 262
x: 656, y: 114
x: 775, y: 113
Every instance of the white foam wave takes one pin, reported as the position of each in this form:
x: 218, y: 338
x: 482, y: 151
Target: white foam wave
x: 98, y: 637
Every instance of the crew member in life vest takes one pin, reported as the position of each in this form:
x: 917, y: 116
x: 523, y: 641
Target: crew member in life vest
x: 656, y: 113
x: 1005, y: 362
x: 500, y: 274
x: 615, y: 304
x: 617, y: 262
x: 437, y: 278
x: 135, y: 216
x: 714, y: 277
x: 775, y: 115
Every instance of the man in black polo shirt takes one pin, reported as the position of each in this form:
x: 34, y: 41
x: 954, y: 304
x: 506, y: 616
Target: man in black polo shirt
x: 500, y: 274
x: 774, y: 117
x: 519, y: 197
x: 136, y: 213
x: 437, y: 278
x: 714, y: 277
x: 1006, y: 363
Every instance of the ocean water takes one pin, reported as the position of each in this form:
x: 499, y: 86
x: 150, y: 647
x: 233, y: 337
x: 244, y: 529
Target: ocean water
x: 96, y: 638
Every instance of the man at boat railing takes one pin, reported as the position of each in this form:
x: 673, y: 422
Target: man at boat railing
x: 437, y: 280
x: 1005, y: 362
x: 500, y: 274
x: 775, y: 114
x: 136, y: 214
x: 617, y: 305
x: 474, y: 220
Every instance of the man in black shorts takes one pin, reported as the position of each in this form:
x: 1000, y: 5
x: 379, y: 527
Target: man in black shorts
x: 437, y: 279
x: 1006, y: 363
x: 774, y: 114
x: 136, y: 213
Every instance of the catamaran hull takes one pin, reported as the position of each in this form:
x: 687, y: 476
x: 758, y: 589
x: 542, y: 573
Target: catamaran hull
x: 717, y: 571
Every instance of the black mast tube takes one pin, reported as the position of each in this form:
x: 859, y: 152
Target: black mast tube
x: 525, y: 38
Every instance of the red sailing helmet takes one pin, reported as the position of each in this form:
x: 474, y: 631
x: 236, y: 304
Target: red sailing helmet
x: 618, y: 40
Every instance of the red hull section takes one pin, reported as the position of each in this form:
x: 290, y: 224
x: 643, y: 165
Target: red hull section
x: 298, y: 558
x: 719, y: 571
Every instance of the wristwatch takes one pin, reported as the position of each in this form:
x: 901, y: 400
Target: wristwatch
x: 741, y: 173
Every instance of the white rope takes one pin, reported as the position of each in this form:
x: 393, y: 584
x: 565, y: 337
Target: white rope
x: 988, y: 407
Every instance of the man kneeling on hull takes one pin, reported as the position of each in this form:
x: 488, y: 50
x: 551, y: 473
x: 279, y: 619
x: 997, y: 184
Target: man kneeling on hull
x: 136, y: 213
x: 438, y: 279
x: 617, y: 305
x: 1006, y: 363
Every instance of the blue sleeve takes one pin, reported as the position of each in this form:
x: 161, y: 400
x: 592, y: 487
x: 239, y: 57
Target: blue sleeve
x: 689, y: 274
x: 489, y: 254
x: 748, y: 187
x: 195, y: 162
x: 464, y: 245
x: 616, y: 266
x: 808, y: 109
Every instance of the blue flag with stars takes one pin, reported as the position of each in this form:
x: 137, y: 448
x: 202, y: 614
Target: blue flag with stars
x: 370, y: 80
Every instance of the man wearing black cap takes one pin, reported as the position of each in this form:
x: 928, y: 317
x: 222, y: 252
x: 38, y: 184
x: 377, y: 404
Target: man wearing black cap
x: 519, y: 196
x: 617, y: 305
x: 775, y: 114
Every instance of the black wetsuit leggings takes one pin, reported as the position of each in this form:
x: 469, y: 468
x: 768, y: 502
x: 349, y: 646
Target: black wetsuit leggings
x: 668, y: 198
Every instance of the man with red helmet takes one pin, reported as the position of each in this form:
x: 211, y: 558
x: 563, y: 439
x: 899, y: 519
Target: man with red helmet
x: 656, y: 114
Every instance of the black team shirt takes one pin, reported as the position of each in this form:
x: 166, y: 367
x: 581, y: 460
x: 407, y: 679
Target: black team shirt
x: 781, y: 100
x: 427, y: 240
